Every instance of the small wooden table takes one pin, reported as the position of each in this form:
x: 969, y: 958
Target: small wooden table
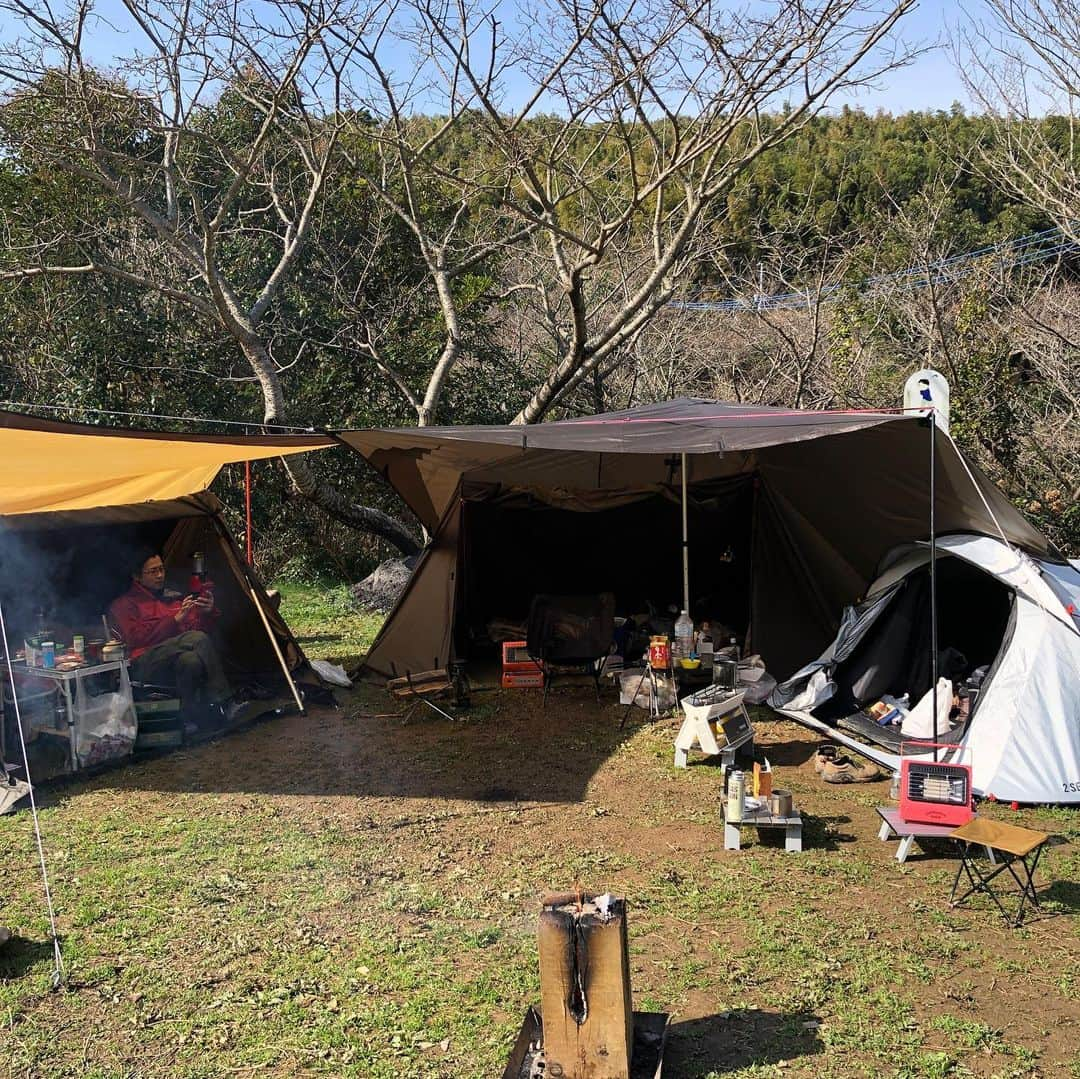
x: 893, y: 825
x: 1016, y: 846
x: 762, y: 818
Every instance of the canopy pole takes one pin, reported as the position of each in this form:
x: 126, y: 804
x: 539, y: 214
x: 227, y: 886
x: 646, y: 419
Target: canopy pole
x: 685, y: 544
x: 933, y: 575
x: 247, y: 511
x: 58, y: 958
x: 277, y: 648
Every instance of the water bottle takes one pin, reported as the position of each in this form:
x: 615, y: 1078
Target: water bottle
x: 736, y: 797
x: 684, y: 636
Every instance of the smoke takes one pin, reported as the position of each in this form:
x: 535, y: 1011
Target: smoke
x: 66, y: 577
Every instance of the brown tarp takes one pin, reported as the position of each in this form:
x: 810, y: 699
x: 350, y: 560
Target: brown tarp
x: 835, y: 491
x: 418, y: 635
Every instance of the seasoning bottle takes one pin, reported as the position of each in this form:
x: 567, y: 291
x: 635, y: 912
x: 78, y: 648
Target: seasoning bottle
x: 705, y: 646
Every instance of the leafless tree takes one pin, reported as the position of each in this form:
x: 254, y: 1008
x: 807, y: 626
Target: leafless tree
x: 602, y: 135
x: 640, y: 117
x: 217, y: 225
x: 1022, y: 64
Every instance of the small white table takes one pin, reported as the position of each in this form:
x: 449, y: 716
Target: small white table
x: 762, y: 818
x: 700, y: 728
x: 68, y: 681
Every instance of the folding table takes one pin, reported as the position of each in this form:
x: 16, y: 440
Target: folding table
x: 893, y: 825
x: 1013, y: 847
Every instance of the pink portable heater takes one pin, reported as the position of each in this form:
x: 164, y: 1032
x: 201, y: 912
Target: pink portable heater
x: 934, y: 792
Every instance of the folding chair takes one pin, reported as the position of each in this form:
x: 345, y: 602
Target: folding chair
x: 571, y: 633
x: 1013, y: 848
x: 420, y: 687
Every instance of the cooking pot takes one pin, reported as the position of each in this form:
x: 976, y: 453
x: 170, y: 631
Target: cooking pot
x: 780, y: 803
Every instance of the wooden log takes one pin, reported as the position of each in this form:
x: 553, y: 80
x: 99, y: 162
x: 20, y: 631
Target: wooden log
x: 585, y: 989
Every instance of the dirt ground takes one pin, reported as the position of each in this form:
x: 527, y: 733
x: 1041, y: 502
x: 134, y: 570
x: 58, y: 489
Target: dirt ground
x: 836, y: 961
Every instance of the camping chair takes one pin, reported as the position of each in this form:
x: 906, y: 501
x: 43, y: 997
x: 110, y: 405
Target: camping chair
x: 571, y: 633
x: 421, y: 687
x: 1011, y: 848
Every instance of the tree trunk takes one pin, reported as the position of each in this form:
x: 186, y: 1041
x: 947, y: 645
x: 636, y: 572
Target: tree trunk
x: 322, y: 494
x: 341, y: 508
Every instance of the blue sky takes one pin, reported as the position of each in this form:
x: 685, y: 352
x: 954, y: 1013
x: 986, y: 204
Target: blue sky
x: 930, y: 82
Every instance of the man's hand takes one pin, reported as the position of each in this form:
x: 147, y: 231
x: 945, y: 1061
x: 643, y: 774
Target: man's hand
x: 205, y: 601
x: 189, y: 603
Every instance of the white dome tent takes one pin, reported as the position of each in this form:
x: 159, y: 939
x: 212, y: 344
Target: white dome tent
x: 1020, y: 615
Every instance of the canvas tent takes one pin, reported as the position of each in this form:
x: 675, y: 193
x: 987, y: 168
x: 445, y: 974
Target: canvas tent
x: 805, y: 502
x: 791, y: 515
x: 1016, y: 615
x: 77, y: 501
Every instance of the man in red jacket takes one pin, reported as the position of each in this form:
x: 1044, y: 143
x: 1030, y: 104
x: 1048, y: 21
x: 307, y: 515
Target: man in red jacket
x: 166, y: 637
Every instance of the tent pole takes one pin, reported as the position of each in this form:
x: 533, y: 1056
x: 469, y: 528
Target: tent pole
x: 277, y: 648
x: 247, y: 510
x: 685, y: 544
x: 933, y: 576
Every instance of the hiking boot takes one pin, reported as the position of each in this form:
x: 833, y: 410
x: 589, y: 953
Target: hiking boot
x: 848, y: 770
x: 826, y: 754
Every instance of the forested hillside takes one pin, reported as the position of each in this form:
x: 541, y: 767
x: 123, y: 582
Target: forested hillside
x: 380, y: 264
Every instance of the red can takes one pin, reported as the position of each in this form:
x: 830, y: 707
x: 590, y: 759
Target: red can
x: 659, y: 653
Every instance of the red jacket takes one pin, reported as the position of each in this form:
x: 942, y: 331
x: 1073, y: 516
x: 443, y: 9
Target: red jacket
x: 145, y: 619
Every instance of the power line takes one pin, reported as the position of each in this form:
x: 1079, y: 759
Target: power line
x: 155, y: 416
x: 1035, y: 247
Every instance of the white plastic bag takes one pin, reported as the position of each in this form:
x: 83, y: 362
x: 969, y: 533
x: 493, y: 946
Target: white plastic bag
x: 919, y: 722
x: 105, y: 725
x: 331, y: 672
x: 638, y: 689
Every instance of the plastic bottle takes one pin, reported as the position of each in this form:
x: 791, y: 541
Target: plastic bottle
x: 684, y: 636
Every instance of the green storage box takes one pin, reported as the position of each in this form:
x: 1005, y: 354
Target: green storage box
x: 160, y: 724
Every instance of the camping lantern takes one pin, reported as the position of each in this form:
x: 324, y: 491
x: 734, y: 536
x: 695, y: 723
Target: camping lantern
x: 928, y: 389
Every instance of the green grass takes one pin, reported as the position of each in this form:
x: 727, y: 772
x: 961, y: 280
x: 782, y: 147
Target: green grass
x: 327, y: 622
x: 330, y: 896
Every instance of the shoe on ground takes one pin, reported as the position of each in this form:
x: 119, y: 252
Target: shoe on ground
x: 234, y: 708
x: 849, y: 770
x: 824, y: 755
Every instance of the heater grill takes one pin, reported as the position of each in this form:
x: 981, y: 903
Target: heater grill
x: 935, y: 792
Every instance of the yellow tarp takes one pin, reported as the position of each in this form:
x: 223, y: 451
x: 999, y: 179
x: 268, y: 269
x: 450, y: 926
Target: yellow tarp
x: 47, y: 467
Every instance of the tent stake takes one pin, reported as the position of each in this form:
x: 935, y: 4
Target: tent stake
x: 277, y: 648
x: 933, y: 576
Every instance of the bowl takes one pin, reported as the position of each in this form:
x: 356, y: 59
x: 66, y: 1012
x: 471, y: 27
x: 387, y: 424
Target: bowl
x: 689, y: 664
